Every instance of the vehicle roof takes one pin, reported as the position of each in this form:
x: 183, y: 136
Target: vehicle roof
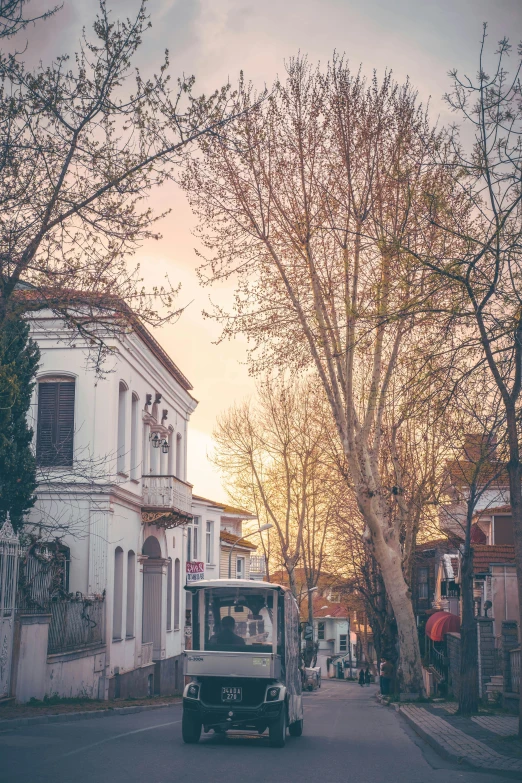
x: 251, y: 583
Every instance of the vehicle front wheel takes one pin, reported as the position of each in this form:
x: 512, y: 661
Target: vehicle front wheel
x: 296, y: 729
x: 277, y: 730
x: 190, y: 728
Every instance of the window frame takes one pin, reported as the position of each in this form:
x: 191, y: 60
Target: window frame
x: 241, y: 559
x: 170, y: 577
x: 423, y: 584
x: 503, y: 517
x: 343, y: 636
x: 321, y: 630
x: 122, y: 437
x: 49, y: 456
x: 209, y: 542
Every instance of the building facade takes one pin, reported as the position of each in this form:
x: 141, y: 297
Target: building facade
x: 113, y: 494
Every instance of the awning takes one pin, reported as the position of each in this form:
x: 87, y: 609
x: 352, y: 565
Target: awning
x: 441, y: 623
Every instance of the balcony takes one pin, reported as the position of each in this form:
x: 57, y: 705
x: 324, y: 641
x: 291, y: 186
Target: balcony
x: 257, y: 567
x: 167, y: 501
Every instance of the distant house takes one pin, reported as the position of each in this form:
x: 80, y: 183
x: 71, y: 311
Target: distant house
x: 332, y: 631
x: 492, y: 533
x: 232, y: 548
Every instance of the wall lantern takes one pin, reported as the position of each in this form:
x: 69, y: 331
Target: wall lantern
x: 157, y: 442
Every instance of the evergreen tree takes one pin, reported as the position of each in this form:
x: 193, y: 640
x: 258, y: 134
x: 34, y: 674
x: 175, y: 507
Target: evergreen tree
x: 19, y: 357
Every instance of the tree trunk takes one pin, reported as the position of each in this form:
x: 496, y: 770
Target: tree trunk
x: 409, y: 669
x: 468, y: 692
x: 308, y: 654
x: 515, y: 496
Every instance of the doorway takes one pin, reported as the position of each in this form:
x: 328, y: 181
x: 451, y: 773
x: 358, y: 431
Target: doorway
x: 153, y: 569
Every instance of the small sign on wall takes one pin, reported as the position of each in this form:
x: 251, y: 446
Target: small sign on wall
x: 195, y: 572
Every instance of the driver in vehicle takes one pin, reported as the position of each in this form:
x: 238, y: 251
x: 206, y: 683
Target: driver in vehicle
x: 226, y: 635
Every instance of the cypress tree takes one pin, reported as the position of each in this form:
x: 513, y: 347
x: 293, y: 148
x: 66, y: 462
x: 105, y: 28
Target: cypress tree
x: 19, y: 357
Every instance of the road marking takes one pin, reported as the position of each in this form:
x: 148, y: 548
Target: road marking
x: 117, y: 736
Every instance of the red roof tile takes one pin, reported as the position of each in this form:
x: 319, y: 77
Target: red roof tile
x: 483, y: 555
x: 325, y: 608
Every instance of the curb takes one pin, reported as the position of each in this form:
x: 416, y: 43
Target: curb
x: 442, y: 750
x: 64, y: 717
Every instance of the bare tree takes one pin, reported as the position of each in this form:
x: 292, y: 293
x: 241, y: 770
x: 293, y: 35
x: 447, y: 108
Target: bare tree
x: 480, y: 254
x: 84, y: 142
x: 271, y: 456
x: 13, y: 19
x: 298, y: 204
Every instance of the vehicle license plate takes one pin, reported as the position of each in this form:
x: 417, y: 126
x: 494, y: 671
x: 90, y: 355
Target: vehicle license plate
x: 231, y: 693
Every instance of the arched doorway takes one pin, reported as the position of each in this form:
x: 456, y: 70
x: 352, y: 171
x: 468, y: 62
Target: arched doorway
x: 153, y: 573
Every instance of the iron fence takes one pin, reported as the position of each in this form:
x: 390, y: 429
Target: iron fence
x: 439, y: 662
x: 42, y: 577
x: 76, y: 623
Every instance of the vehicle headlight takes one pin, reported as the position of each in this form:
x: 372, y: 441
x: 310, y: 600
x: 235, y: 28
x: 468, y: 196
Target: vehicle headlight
x: 272, y: 694
x: 193, y: 691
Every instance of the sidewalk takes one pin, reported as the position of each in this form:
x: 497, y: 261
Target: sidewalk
x: 484, y: 742
x: 15, y: 715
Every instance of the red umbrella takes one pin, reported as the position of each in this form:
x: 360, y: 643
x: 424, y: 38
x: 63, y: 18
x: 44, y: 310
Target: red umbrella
x: 441, y: 623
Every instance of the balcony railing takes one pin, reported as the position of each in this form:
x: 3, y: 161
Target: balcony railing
x: 167, y: 492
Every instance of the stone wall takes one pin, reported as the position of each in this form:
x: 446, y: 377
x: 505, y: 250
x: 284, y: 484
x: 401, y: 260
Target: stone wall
x: 487, y: 653
x: 168, y: 677
x: 453, y: 648
x: 487, y: 657
x: 509, y: 642
x: 135, y: 684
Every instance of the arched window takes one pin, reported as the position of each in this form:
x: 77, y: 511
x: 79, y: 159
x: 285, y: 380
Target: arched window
x: 134, y: 459
x: 131, y: 593
x: 151, y: 547
x: 122, y: 426
x: 179, y: 472
x: 117, y: 605
x: 169, y: 595
x: 177, y: 592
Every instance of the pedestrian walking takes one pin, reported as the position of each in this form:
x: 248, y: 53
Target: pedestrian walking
x: 361, y: 678
x: 367, y: 676
x: 386, y: 673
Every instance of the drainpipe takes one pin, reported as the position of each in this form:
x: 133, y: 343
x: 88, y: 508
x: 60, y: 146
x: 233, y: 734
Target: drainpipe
x: 479, y: 660
x: 505, y: 595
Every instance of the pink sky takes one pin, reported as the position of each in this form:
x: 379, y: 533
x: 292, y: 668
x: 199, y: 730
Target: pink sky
x: 215, y: 39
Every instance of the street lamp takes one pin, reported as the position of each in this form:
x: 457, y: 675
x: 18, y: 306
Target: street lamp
x: 259, y: 530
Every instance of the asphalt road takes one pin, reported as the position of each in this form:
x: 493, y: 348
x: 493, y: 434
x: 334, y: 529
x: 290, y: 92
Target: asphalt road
x: 348, y: 737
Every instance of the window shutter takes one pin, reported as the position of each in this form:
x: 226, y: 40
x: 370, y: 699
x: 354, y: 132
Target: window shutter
x: 46, y: 428
x: 64, y: 441
x: 55, y: 428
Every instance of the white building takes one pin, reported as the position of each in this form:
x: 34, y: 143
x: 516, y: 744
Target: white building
x: 111, y: 452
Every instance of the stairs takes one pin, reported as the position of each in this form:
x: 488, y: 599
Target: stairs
x: 494, y: 688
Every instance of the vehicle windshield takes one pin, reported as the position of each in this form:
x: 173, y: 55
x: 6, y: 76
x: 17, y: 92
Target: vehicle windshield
x: 239, y: 619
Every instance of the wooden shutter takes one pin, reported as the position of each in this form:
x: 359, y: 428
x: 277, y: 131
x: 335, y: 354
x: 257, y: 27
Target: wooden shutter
x: 46, y: 429
x: 55, y: 428
x: 65, y: 416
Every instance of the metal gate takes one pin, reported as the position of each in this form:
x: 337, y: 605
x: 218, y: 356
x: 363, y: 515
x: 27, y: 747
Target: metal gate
x: 9, y: 547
